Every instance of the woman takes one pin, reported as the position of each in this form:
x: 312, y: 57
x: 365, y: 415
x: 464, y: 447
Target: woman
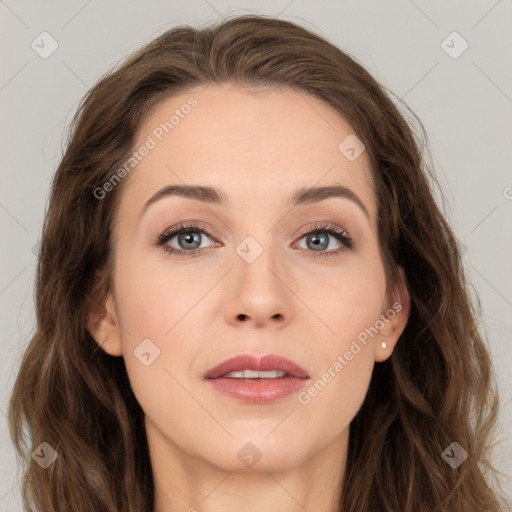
x: 314, y: 348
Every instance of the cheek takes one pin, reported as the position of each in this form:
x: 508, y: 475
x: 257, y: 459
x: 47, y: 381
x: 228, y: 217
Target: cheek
x: 335, y: 396
x: 152, y: 306
x: 155, y: 355
x: 349, y: 305
x: 341, y: 380
x: 347, y: 299
x: 151, y: 297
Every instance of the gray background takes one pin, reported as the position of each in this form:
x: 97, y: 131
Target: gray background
x: 465, y: 104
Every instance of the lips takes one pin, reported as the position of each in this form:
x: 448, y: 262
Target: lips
x: 250, y: 380
x: 265, y: 364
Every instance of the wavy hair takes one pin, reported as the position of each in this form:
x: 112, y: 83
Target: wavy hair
x: 436, y: 388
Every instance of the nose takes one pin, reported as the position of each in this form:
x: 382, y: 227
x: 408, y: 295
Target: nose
x: 259, y: 295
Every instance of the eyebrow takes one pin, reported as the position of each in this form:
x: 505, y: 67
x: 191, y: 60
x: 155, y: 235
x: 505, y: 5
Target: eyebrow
x: 213, y: 195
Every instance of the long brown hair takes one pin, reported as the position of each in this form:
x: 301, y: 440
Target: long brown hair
x: 436, y: 388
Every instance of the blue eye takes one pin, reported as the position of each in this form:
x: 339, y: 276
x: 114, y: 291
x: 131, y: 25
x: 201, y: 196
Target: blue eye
x: 187, y: 234
x: 189, y: 237
x: 319, y: 236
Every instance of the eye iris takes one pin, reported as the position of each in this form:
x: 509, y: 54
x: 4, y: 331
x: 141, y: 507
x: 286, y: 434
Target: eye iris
x: 190, y: 237
x: 315, y: 239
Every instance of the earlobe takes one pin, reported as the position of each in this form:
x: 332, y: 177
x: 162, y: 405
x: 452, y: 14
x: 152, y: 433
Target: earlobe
x: 104, y: 328
x: 382, y: 350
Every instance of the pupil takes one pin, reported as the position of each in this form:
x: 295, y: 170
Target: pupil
x: 317, y: 242
x: 190, y: 237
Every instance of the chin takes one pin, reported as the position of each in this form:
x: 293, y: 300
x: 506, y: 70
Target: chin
x: 255, y: 454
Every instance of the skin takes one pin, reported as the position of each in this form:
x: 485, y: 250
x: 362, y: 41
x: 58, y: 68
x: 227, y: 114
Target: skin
x: 258, y: 146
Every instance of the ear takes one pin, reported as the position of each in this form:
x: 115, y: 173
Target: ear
x: 103, y: 325
x: 395, y: 314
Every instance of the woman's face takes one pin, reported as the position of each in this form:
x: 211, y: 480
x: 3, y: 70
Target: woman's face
x: 265, y: 278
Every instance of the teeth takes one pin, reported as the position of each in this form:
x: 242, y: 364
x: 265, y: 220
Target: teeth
x: 254, y: 374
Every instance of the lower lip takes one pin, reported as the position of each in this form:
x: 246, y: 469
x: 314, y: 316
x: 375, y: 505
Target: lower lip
x: 258, y: 391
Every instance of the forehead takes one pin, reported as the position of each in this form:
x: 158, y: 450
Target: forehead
x: 249, y: 114
x: 254, y: 143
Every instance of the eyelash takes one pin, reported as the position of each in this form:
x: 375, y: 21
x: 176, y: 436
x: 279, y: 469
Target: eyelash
x: 331, y: 229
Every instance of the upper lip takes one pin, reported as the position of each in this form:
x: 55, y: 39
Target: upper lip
x: 250, y: 362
